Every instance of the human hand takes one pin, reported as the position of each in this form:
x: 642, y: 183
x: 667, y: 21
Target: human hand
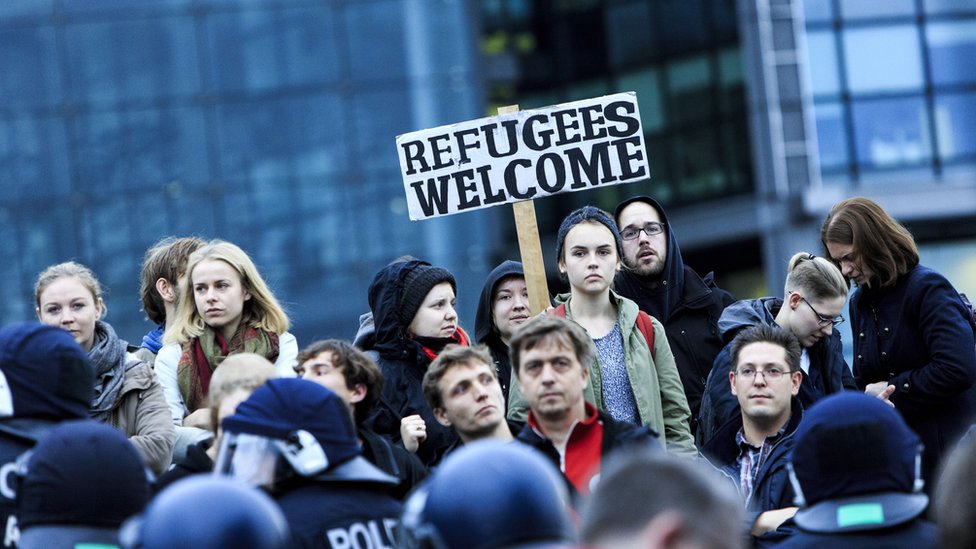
x: 877, y: 388
x: 200, y: 419
x: 413, y: 431
x: 770, y: 520
x: 883, y: 395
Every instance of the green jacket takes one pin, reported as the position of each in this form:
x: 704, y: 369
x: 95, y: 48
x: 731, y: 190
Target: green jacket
x: 657, y: 388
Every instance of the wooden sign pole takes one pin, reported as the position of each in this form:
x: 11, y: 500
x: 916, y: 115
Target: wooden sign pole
x: 530, y: 247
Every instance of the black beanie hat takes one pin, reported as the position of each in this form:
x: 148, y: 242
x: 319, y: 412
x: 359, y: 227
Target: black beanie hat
x: 82, y: 473
x: 417, y: 283
x: 587, y: 213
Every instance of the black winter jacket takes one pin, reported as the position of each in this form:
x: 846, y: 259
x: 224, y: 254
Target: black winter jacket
x: 688, y: 306
x: 828, y: 374
x: 403, y: 364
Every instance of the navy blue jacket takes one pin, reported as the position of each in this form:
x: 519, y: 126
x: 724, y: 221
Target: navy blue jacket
x: 772, y: 488
x: 688, y: 306
x: 917, y: 534
x: 918, y: 336
x: 828, y: 370
x: 339, y: 514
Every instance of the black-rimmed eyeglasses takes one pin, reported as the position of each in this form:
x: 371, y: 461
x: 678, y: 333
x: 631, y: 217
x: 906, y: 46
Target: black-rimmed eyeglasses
x: 650, y: 228
x: 821, y: 319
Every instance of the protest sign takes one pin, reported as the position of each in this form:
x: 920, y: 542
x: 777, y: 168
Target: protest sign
x: 523, y: 155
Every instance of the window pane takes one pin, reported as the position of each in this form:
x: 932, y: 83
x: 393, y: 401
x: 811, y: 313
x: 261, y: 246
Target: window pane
x: 375, y: 32
x: 899, y: 68
x: 29, y: 68
x: 954, y: 122
x: 823, y: 63
x: 261, y: 49
x: 628, y: 38
x: 949, y: 6
x: 891, y: 132
x: 952, y: 51
x: 33, y: 159
x: 818, y: 10
x: 856, y: 9
x: 831, y: 135
x: 132, y: 59
x: 647, y: 84
x: 122, y: 150
x: 689, y: 82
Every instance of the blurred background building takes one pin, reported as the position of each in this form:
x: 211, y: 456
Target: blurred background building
x: 272, y: 123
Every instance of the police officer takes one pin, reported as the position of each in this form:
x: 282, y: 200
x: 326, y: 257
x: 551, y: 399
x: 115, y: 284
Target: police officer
x: 45, y: 378
x: 296, y: 439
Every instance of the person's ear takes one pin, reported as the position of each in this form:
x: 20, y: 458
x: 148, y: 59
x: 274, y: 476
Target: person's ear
x: 99, y: 308
x: 732, y: 382
x: 165, y: 290
x: 441, y: 417
x: 358, y: 393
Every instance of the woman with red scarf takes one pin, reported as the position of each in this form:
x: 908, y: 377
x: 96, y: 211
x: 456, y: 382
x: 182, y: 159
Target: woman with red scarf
x: 414, y: 319
x: 225, y: 308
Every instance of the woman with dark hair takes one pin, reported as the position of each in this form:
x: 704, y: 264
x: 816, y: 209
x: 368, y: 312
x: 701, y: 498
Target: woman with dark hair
x: 911, y: 329
x: 414, y: 317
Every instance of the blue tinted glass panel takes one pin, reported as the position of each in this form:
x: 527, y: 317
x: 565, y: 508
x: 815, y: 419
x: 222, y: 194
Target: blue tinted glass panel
x: 891, y: 132
x: 952, y: 52
x: 281, y: 138
x: 949, y: 6
x: 33, y: 159
x: 126, y: 150
x: 954, y: 122
x: 376, y: 40
x: 628, y: 39
x: 682, y: 25
x: 900, y: 68
x: 818, y: 10
x: 824, y: 77
x: 831, y: 135
x: 858, y: 9
x: 256, y: 49
x: 29, y: 68
x: 647, y: 84
x: 132, y: 59
x: 375, y: 136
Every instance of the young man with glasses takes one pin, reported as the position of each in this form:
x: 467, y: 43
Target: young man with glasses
x: 752, y: 449
x: 815, y: 293
x: 657, y: 279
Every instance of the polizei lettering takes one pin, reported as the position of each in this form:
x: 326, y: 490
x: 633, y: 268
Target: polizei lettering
x: 525, y: 155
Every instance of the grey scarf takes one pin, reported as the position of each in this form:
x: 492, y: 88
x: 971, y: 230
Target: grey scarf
x: 108, y: 357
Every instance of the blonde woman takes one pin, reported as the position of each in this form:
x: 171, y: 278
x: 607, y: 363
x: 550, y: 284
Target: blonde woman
x: 126, y: 393
x: 225, y: 308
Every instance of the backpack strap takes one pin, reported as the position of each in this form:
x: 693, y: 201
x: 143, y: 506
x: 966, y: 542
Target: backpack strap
x: 559, y: 311
x: 646, y: 327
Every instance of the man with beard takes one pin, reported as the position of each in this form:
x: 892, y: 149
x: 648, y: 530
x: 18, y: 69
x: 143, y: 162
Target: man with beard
x: 688, y: 305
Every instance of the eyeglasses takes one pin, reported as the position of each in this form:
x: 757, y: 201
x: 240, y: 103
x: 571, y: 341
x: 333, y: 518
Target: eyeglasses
x: 769, y: 374
x: 650, y: 228
x: 823, y: 320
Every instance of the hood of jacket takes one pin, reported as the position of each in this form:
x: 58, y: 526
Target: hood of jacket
x: 747, y: 313
x: 670, y: 293
x: 484, y: 327
x: 385, y: 297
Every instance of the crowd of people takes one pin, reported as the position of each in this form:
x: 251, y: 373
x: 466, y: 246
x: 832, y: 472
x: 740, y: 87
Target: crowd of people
x: 645, y: 408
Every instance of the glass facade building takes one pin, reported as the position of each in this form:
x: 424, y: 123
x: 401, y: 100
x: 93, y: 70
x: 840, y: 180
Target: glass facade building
x: 269, y: 124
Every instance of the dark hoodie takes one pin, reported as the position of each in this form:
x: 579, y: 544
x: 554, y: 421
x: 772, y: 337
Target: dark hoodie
x: 828, y: 371
x: 688, y: 305
x: 484, y: 327
x: 403, y: 363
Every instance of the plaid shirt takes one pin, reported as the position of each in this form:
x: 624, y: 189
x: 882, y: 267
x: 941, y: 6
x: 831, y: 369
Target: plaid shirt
x: 751, y: 459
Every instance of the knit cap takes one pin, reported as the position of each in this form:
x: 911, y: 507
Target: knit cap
x: 82, y: 473
x: 584, y: 214
x: 417, y: 283
x: 44, y: 373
